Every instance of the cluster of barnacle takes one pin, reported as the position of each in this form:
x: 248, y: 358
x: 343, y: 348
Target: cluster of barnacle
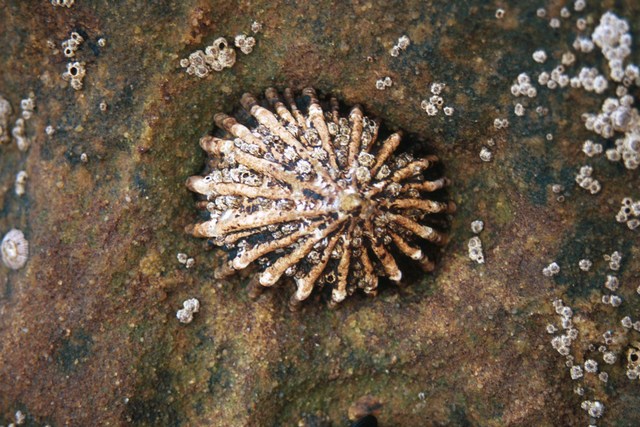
x: 523, y: 87
x: 557, y: 78
x: 629, y: 213
x: 614, y: 260
x: 307, y: 193
x: 216, y: 57
x: 582, y: 44
x: 474, y: 245
x: 559, y: 190
x: 19, y: 131
x: 589, y: 79
x: 591, y: 148
x: 382, y: 84
x: 612, y: 300
x: 14, y: 248
x: 245, y: 43
x: 588, y: 362
x: 586, y: 181
x: 185, y: 260
x: 20, y: 183
x: 539, y: 56
x: 189, y: 308
x: 219, y: 55
x: 594, y: 408
x: 27, y: 107
x: 5, y: 113
x: 554, y: 22
x: 633, y: 358
x: 499, y: 123
x: 551, y: 270
x: 435, y: 103
x: 72, y: 44
x: 63, y: 3
x: 19, y: 134
x: 617, y: 115
x: 562, y: 344
x: 475, y: 250
x: 614, y: 40
x: 615, y: 343
x: 628, y: 323
x: 402, y: 44
x: 75, y: 74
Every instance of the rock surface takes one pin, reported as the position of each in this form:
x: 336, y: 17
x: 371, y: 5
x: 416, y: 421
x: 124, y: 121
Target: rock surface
x: 88, y: 328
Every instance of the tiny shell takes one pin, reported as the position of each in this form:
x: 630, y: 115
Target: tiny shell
x: 15, y: 249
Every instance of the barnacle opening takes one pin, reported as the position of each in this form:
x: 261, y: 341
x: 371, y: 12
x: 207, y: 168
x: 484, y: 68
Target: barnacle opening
x: 319, y: 194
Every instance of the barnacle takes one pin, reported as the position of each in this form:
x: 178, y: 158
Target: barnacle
x: 15, y: 249
x: 5, y: 112
x: 307, y: 193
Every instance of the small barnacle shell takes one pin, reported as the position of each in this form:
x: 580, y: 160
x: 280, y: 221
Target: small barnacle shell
x: 15, y: 249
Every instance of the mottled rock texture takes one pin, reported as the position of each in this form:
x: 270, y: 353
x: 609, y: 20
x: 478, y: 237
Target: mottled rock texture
x: 88, y: 333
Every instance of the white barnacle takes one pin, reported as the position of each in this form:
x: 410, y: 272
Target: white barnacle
x: 519, y: 109
x: 477, y: 226
x: 591, y: 366
x: 576, y: 372
x: 437, y: 87
x: 256, y: 26
x: 20, y: 184
x: 15, y: 249
x: 189, y: 307
x: 475, y: 250
x: 551, y: 270
x: 585, y: 264
x: 485, y: 154
x: 403, y: 42
x: 540, y: 56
